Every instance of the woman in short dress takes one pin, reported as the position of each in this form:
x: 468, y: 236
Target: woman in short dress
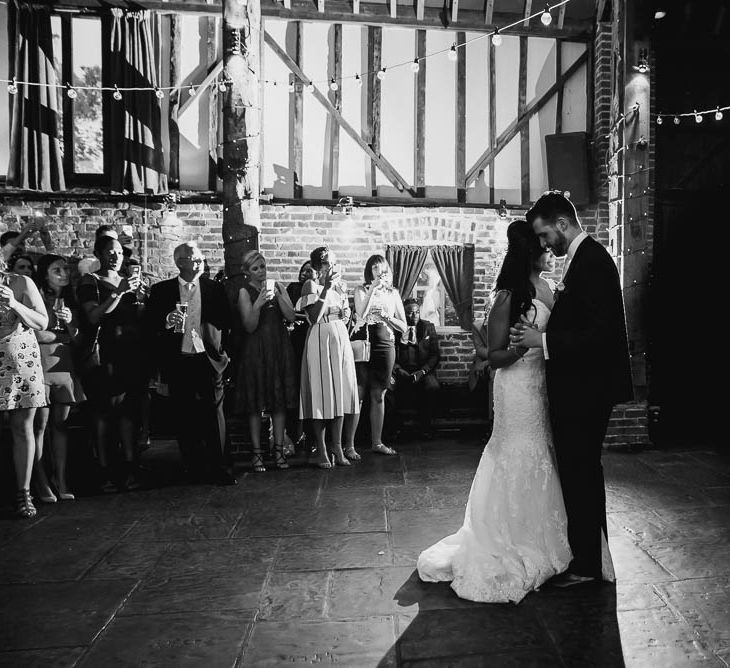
x: 22, y: 392
x: 63, y: 386
x: 266, y: 373
x: 112, y: 311
x: 328, y: 392
x: 379, y: 307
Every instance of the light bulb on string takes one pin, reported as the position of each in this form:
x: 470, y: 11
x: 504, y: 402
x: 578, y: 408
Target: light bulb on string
x: 71, y: 92
x: 12, y: 87
x: 676, y: 120
x: 659, y: 120
x: 415, y: 66
x: 496, y: 37
x: 292, y: 88
x: 358, y: 80
x: 718, y: 114
x: 310, y: 87
x: 381, y: 74
x: 159, y: 93
x: 117, y: 94
x: 546, y: 18
x: 698, y: 117
x: 191, y: 90
x: 333, y: 84
x: 452, y: 53
x: 222, y: 86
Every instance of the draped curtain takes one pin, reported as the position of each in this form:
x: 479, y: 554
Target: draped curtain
x: 407, y: 263
x: 35, y: 145
x: 455, y: 265
x: 138, y: 163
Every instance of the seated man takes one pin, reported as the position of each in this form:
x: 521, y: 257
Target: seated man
x: 417, y: 355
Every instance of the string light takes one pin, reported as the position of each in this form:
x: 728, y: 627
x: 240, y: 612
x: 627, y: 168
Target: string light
x: 158, y: 93
x: 310, y: 87
x: 334, y: 85
x: 191, y: 90
x: 12, y: 87
x: 71, y: 92
x: 117, y: 94
x: 698, y: 116
x: 676, y: 120
x: 415, y: 66
x: 292, y: 87
x: 452, y: 53
x: 718, y: 114
x: 358, y: 80
x: 496, y: 37
x: 381, y: 74
x: 659, y: 120
x: 222, y: 85
x: 547, y: 18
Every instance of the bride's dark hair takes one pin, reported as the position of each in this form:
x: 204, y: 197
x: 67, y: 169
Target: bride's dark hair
x: 523, y: 248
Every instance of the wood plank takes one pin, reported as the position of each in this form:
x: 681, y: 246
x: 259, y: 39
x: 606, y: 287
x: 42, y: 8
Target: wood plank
x: 420, y: 111
x: 525, y: 130
x: 335, y: 97
x: 420, y: 6
x: 212, y: 32
x: 296, y: 154
x: 320, y: 6
x: 375, y: 43
x: 600, y: 8
x: 393, y: 9
x: 530, y: 109
x: 526, y: 13
x: 489, y: 13
x: 492, y: 118
x: 287, y: 4
x: 561, y: 17
x: 388, y: 170
x: 461, y: 116
x: 454, y: 11
x: 355, y: 6
x: 559, y: 95
x: 175, y: 79
x: 213, y: 72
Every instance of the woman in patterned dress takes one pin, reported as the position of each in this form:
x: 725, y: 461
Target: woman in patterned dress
x: 21, y: 377
x: 63, y: 386
x: 328, y: 393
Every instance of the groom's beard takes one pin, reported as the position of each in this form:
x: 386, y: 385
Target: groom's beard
x: 560, y: 247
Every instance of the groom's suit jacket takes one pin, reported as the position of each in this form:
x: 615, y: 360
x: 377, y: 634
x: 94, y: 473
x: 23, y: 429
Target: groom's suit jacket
x: 586, y: 334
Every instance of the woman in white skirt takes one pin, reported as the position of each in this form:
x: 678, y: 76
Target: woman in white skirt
x: 328, y: 394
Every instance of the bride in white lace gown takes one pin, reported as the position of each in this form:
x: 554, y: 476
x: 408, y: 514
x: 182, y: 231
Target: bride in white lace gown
x: 514, y: 535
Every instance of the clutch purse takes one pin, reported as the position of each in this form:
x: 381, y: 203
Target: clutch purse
x: 361, y: 350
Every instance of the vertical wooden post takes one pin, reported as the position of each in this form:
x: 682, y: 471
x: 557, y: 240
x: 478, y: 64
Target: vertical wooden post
x: 375, y: 36
x: 296, y: 109
x: 420, y: 110
x: 525, y: 131
x: 335, y: 97
x: 241, y: 129
x: 492, y: 114
x: 175, y: 78
x: 461, y: 117
x: 559, y: 94
x: 213, y: 106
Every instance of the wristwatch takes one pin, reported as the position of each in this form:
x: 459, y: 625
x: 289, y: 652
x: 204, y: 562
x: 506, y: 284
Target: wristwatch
x: 114, y: 295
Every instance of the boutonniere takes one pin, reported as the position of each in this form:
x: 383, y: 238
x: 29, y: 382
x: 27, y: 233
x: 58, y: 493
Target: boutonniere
x: 560, y: 287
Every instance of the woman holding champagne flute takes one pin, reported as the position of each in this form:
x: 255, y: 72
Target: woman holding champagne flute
x: 21, y: 377
x: 63, y: 386
x: 112, y: 314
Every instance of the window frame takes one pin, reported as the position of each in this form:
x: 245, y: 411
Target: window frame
x: 73, y: 178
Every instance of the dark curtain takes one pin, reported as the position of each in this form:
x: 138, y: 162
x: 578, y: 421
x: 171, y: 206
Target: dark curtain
x: 35, y: 131
x: 138, y: 163
x: 406, y: 263
x: 455, y: 265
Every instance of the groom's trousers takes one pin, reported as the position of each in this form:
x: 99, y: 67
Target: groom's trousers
x: 578, y: 434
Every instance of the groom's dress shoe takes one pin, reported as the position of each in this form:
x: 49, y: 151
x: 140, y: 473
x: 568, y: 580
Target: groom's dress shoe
x: 570, y: 579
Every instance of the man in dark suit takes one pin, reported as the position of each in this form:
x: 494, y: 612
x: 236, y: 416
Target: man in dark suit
x: 587, y: 371
x: 417, y: 355
x: 188, y: 348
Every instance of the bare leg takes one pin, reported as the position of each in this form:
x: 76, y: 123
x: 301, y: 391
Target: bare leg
x: 278, y: 424
x: 319, y: 427
x: 59, y: 441
x: 349, y: 428
x: 337, y: 442
x: 377, y: 416
x: 40, y: 421
x: 21, y: 427
x: 254, y: 430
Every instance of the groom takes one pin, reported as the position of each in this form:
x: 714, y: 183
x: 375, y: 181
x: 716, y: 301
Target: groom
x: 587, y: 369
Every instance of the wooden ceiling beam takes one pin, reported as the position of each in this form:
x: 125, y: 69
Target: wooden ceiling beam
x: 527, y: 12
x: 420, y: 6
x: 489, y: 12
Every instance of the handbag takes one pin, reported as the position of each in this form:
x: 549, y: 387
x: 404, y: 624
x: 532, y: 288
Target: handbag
x: 88, y: 356
x: 361, y: 348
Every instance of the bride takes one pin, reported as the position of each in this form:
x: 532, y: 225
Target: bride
x: 514, y: 535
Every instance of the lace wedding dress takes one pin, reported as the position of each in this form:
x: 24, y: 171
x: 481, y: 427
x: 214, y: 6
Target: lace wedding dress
x: 514, y: 535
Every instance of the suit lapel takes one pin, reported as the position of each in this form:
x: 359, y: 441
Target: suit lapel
x: 576, y: 258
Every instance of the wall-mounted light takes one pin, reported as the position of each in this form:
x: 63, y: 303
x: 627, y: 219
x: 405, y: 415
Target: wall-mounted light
x: 503, y: 208
x: 345, y: 205
x: 642, y: 64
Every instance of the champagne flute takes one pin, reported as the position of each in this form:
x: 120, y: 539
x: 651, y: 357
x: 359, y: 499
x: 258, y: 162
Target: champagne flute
x: 58, y: 304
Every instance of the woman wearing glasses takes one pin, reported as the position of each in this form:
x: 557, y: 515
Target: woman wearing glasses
x: 379, y: 307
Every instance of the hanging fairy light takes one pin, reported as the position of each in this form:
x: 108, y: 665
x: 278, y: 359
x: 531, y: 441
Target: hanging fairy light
x: 676, y: 120
x: 12, y: 87
x: 496, y: 37
x: 659, y: 120
x: 381, y: 74
x: 292, y: 87
x: 452, y: 53
x: 222, y: 85
x: 718, y: 114
x: 698, y: 117
x: 358, y: 80
x: 415, y: 66
x: 333, y: 84
x: 546, y: 18
x: 117, y: 94
x: 310, y: 87
x: 191, y: 90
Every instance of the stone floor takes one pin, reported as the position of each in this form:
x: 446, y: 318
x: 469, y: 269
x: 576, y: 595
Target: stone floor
x: 317, y: 567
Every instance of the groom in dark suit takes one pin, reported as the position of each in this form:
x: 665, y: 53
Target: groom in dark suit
x: 587, y: 371
x: 188, y: 349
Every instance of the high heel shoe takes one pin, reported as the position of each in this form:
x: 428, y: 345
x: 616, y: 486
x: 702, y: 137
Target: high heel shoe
x: 352, y: 454
x: 280, y: 458
x: 24, y: 504
x: 48, y: 497
x: 66, y: 496
x: 339, y: 457
x: 257, y: 461
x: 382, y: 449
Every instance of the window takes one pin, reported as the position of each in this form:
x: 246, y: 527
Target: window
x: 80, y: 61
x: 4, y: 99
x: 436, y: 307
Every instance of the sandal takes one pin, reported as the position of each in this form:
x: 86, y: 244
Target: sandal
x: 383, y: 449
x: 257, y: 461
x: 352, y: 454
x: 24, y: 504
x: 280, y: 458
x: 326, y: 464
x: 339, y: 457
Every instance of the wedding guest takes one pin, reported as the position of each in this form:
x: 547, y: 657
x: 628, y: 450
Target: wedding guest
x: 22, y: 313
x: 21, y: 263
x: 188, y: 348
x: 296, y: 427
x: 62, y: 384
x: 417, y: 354
x: 328, y: 390
x: 379, y: 307
x: 266, y: 374
x: 13, y: 242
x: 481, y: 375
x: 112, y: 314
